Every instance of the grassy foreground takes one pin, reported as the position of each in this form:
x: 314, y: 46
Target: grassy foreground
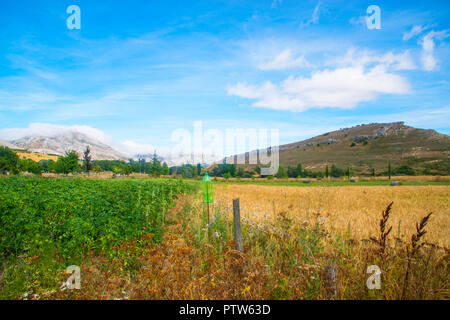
x: 299, y: 243
x: 49, y: 224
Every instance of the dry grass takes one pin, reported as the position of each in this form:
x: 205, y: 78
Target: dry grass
x: 340, y: 207
x: 36, y: 157
x: 299, y: 243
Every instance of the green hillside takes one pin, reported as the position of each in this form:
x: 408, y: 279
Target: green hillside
x: 364, y: 147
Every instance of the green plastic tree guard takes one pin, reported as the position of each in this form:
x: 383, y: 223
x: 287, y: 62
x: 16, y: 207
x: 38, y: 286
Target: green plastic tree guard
x: 207, y: 189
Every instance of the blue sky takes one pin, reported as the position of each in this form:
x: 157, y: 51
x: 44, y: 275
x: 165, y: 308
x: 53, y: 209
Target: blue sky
x: 138, y: 70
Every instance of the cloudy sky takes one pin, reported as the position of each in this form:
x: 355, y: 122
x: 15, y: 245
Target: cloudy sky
x: 137, y: 71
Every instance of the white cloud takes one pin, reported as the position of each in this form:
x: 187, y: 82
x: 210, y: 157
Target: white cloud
x: 414, y: 31
x: 349, y: 80
x: 314, y: 17
x: 365, y: 58
x: 427, y: 42
x: 49, y: 130
x: 339, y: 88
x: 285, y: 60
x: 137, y: 148
x: 129, y: 148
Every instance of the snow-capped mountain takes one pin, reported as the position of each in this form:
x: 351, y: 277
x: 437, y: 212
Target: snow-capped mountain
x: 59, y: 143
x: 57, y: 139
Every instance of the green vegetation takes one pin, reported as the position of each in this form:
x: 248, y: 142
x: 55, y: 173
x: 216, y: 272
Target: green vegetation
x: 60, y: 220
x: 28, y: 165
x: 281, y: 173
x: 8, y: 161
x: 69, y: 163
x: 334, y: 183
x: 186, y: 170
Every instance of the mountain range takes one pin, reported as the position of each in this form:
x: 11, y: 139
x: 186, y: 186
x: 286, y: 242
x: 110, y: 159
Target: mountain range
x: 4, y: 143
x: 361, y: 148
x: 370, y: 146
x: 58, y: 144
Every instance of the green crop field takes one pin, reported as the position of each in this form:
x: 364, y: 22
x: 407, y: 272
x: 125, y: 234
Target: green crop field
x: 58, y: 220
x: 156, y: 239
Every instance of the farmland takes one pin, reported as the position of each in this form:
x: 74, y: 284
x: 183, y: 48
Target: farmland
x: 355, y: 208
x: 56, y: 221
x: 36, y: 156
x: 148, y: 239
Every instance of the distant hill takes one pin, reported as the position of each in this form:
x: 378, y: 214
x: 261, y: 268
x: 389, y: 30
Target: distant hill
x: 368, y: 146
x: 4, y: 143
x: 69, y: 140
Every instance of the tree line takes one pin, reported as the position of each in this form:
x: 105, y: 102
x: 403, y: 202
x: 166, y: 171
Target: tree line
x: 70, y: 163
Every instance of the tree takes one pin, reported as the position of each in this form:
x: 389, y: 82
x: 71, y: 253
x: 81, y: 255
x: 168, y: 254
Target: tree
x: 348, y: 173
x: 87, y: 160
x: 223, y: 168
x: 155, y: 167
x: 281, y: 173
x: 336, y: 172
x: 165, y: 169
x: 28, y: 165
x: 199, y: 169
x: 240, y: 172
x: 135, y: 166
x: 97, y: 169
x: 406, y: 170
x: 47, y: 165
x: 233, y: 170
x: 389, y: 170
x: 59, y: 166
x: 299, y: 169
x: 9, y: 161
x: 247, y: 174
x: 126, y: 169
x: 327, y: 173
x: 117, y: 170
x: 292, y: 172
x: 373, y: 173
x: 68, y: 163
x: 3, y: 166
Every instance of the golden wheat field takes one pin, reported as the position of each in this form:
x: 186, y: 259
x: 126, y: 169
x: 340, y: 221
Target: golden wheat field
x: 35, y: 156
x: 358, y: 208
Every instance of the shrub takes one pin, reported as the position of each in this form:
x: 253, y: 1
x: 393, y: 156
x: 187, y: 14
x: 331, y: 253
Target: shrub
x: 8, y: 161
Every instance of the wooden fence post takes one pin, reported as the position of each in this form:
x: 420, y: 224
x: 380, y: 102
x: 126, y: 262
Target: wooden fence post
x: 237, y: 225
x: 209, y: 229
